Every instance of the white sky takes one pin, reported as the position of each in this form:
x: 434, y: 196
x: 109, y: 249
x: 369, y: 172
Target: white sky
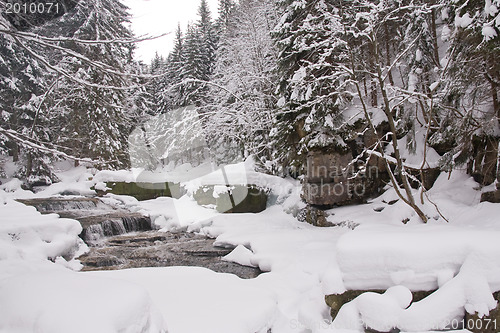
x: 155, y: 17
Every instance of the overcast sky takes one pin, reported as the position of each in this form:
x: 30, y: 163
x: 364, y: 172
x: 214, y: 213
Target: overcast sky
x: 155, y: 17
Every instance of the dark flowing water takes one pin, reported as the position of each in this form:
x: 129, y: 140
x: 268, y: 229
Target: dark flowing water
x: 120, y: 239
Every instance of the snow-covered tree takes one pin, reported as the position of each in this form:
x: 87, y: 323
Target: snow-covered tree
x: 226, y: 11
x: 171, y: 89
x: 311, y: 88
x: 471, y: 108
x: 79, y: 69
x: 94, y: 120
x: 241, y: 89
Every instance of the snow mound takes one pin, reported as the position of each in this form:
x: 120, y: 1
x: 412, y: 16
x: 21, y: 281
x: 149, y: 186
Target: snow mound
x: 416, y: 256
x: 194, y: 299
x: 27, y: 234
x: 63, y: 301
x: 471, y: 290
x: 240, y: 255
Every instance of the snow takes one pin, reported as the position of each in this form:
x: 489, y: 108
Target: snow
x: 381, y: 312
x: 60, y: 301
x: 414, y: 159
x: 463, y: 21
x: 488, y: 32
x: 26, y: 234
x: 39, y: 291
x: 413, y: 255
x: 370, y: 250
x: 469, y: 290
x: 192, y: 178
x: 194, y: 299
x: 172, y: 214
x: 240, y: 255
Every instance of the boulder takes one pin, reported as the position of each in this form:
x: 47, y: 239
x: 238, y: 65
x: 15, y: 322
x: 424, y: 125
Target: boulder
x: 486, y: 324
x: 326, y: 167
x: 314, y: 216
x: 335, y: 301
x: 492, y: 196
x: 427, y: 178
x: 144, y: 191
x: 233, y: 198
x: 330, y: 181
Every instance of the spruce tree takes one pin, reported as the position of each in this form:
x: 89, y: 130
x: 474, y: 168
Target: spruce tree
x: 244, y: 79
x: 311, y: 91
x: 93, y: 115
x: 172, y: 91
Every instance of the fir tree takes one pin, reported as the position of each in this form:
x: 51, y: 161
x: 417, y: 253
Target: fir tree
x: 311, y: 88
x: 94, y: 115
x: 244, y: 78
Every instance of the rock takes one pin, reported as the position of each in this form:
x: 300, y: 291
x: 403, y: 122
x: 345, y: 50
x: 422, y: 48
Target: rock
x: 314, y: 216
x: 205, y: 196
x: 335, y: 301
x: 493, y: 196
x: 327, y: 167
x: 233, y: 198
x: 144, y: 191
x: 428, y: 177
x: 162, y: 249
x: 326, y: 194
x: 394, y: 330
x: 330, y: 180
x: 487, y: 324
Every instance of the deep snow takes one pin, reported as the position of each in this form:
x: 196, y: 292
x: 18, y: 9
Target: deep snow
x: 39, y: 291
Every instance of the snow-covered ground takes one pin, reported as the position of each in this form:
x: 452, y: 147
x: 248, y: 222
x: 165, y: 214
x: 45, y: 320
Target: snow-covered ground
x: 41, y: 289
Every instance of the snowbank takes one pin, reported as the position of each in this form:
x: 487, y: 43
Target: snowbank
x: 419, y: 257
x: 39, y: 291
x: 61, y: 301
x: 26, y: 234
x: 194, y: 299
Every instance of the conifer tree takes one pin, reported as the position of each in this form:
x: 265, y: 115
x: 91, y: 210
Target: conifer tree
x: 172, y: 91
x: 311, y: 89
x: 243, y: 82
x: 94, y: 115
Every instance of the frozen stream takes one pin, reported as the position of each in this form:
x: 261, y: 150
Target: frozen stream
x: 120, y: 239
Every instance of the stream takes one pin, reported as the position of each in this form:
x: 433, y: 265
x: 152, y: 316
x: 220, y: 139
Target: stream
x: 120, y: 239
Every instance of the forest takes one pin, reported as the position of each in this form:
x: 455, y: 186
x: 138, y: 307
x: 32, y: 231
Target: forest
x: 272, y: 79
x: 302, y: 166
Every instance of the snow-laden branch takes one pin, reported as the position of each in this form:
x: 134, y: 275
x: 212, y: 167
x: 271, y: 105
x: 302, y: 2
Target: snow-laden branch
x: 32, y: 36
x: 43, y: 42
x: 33, y: 145
x: 67, y: 74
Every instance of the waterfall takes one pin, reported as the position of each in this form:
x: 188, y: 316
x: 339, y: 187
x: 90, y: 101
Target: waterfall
x: 97, y: 218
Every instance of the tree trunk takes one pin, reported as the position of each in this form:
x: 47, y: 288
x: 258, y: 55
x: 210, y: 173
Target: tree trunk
x: 489, y: 166
x: 373, y: 84
x: 434, y: 37
x: 388, y: 53
x: 15, y: 152
x: 392, y: 126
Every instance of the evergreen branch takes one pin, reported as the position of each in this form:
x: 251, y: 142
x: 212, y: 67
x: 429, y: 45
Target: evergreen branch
x: 68, y: 75
x: 33, y: 145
